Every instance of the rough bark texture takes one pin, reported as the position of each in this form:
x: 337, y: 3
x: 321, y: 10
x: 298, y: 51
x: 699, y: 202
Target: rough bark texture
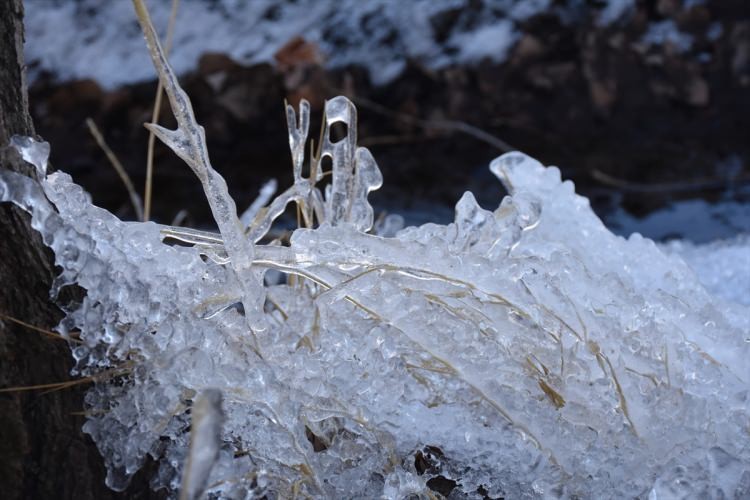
x: 43, y: 453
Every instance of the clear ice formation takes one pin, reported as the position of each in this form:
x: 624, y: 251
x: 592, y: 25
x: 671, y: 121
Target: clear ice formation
x: 524, y: 352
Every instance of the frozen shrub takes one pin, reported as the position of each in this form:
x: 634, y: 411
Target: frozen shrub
x: 526, y: 352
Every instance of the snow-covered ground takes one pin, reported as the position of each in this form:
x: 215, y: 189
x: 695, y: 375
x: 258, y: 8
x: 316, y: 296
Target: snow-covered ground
x: 100, y: 39
x: 722, y: 266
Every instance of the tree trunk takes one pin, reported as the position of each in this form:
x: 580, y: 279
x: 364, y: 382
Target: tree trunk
x: 43, y: 453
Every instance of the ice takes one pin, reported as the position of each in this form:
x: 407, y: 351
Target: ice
x: 265, y: 195
x: 355, y: 172
x: 33, y: 152
x: 205, y: 442
x: 525, y: 352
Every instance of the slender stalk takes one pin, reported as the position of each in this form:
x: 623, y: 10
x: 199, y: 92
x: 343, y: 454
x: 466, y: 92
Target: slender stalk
x: 135, y: 200
x: 147, y: 194
x: 189, y: 143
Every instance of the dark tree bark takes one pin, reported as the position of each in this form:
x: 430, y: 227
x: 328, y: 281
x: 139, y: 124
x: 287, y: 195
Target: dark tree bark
x: 43, y: 453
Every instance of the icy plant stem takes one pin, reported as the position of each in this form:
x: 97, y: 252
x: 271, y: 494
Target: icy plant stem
x: 189, y: 143
x: 205, y: 442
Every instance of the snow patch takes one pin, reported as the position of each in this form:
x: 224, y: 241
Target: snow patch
x: 101, y: 40
x: 667, y: 32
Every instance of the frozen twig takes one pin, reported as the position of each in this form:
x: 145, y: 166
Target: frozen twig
x: 205, y: 441
x: 189, y: 143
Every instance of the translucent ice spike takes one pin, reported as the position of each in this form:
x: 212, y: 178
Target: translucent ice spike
x: 29, y: 196
x: 189, y: 143
x: 266, y: 192
x: 367, y: 178
x: 298, y: 135
x: 340, y: 110
x: 355, y: 172
x: 33, y: 152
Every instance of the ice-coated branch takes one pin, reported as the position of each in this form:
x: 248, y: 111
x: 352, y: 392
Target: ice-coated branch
x: 189, y: 143
x: 205, y: 441
x: 298, y: 135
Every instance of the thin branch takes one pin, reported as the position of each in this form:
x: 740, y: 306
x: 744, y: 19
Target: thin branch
x: 664, y: 187
x: 189, y: 143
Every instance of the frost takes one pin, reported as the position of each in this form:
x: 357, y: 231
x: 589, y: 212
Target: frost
x: 525, y: 352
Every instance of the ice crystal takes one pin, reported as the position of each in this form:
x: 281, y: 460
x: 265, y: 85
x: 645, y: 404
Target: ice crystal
x: 525, y: 352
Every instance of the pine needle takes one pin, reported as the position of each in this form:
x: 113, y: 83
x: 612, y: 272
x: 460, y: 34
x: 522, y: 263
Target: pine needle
x: 43, y: 331
x: 58, y: 386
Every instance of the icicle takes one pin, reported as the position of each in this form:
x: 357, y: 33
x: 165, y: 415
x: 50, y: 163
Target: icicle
x: 33, y: 152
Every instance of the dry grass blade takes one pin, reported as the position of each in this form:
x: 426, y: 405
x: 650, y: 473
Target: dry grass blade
x: 54, y: 386
x: 147, y: 194
x: 43, y: 331
x: 444, y: 125
x: 58, y: 386
x: 135, y: 200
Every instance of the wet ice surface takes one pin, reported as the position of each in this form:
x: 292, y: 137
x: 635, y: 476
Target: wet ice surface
x: 525, y: 352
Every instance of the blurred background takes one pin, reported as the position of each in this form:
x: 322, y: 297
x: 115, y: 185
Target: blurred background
x: 644, y: 104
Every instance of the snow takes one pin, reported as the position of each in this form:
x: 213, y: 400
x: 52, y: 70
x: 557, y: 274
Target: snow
x: 491, y: 42
x: 722, y: 266
x: 615, y: 10
x: 528, y: 351
x: 101, y: 40
x: 667, y: 32
x: 694, y: 219
x: 382, y: 34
